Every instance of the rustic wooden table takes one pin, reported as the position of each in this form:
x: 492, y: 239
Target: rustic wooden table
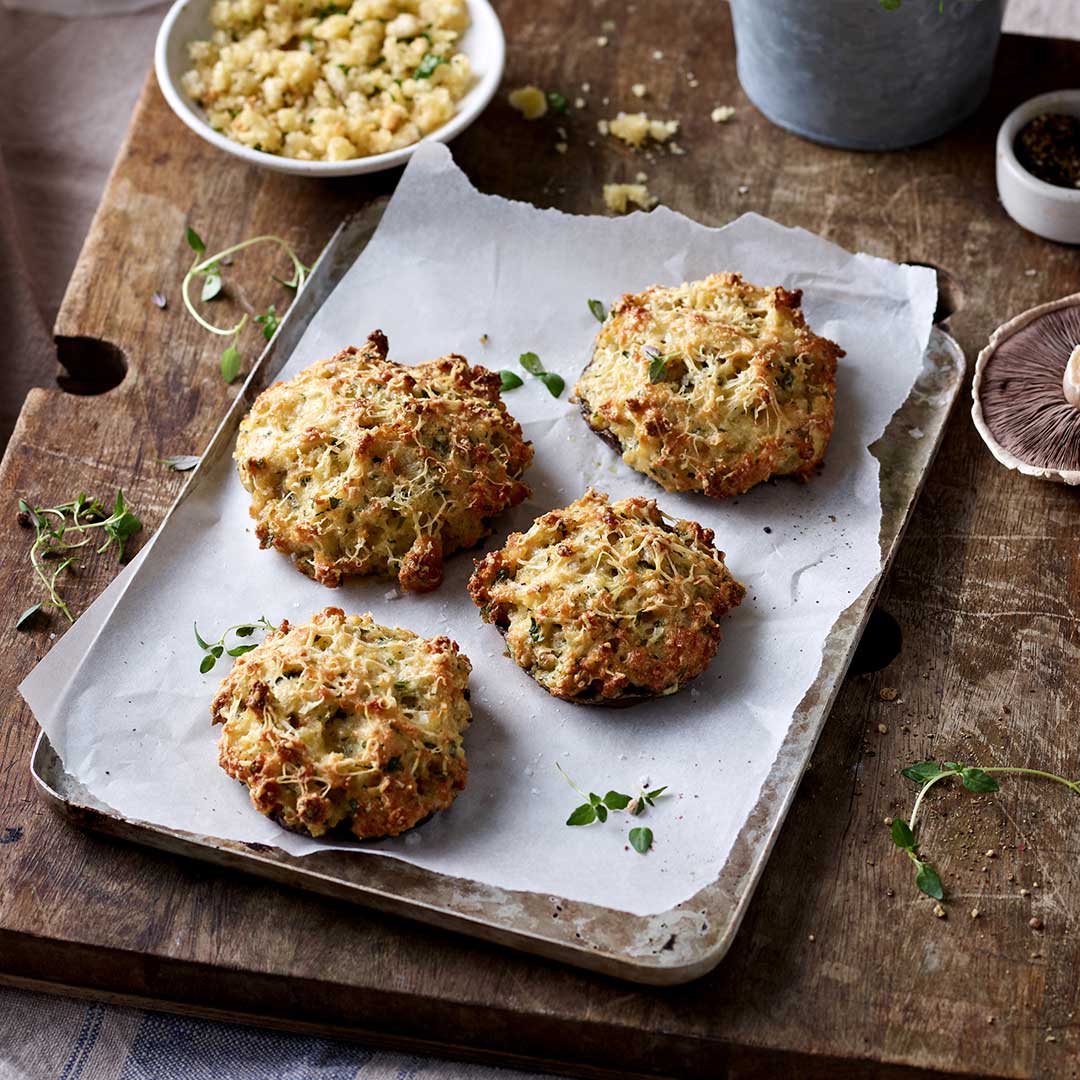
x: 841, y: 967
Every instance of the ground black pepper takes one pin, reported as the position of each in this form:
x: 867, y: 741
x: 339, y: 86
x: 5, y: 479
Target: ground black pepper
x: 1049, y: 148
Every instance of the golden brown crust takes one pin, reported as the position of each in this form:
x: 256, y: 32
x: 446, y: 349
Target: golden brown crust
x: 359, y: 465
x: 342, y: 723
x: 713, y: 386
x: 608, y: 602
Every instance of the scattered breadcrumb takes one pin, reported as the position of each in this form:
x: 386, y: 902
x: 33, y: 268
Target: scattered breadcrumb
x: 641, y: 177
x: 676, y: 149
x: 484, y: 339
x: 722, y: 114
x: 601, y: 41
x: 888, y: 693
x: 560, y: 148
x: 975, y: 913
x: 940, y: 912
x: 883, y: 729
x: 585, y: 87
x: 635, y: 128
x: 1035, y: 922
x: 657, y: 55
x: 618, y: 197
x: 580, y: 103
x: 530, y: 101
x: 743, y: 189
x: 639, y: 89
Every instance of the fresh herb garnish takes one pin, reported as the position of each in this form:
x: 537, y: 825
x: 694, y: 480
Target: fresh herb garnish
x: 23, y: 620
x: 597, y: 809
x: 66, y: 528
x: 531, y: 363
x: 269, y: 322
x: 214, y: 650
x: 180, y: 462
x: 657, y: 363
x: 209, y: 269
x: 230, y: 362
x: 211, y: 286
x: 556, y: 101
x: 553, y: 382
x: 598, y: 310
x: 428, y: 65
x: 905, y: 834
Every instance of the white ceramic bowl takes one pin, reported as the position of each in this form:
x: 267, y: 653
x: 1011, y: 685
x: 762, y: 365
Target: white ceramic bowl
x: 1044, y: 209
x: 189, y: 20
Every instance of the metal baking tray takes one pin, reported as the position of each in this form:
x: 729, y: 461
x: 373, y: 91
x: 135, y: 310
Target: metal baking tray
x: 671, y: 947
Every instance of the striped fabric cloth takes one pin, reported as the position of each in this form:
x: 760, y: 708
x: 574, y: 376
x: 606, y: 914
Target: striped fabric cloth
x: 50, y: 1038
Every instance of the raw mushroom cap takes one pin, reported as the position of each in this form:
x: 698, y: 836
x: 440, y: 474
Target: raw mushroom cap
x: 1027, y: 392
x: 1070, y: 383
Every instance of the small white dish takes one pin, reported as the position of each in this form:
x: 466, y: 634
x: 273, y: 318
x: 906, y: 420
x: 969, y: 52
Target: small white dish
x: 1045, y: 209
x: 189, y: 20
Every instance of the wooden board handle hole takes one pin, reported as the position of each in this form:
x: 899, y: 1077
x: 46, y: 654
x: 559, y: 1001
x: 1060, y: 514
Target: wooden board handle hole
x: 90, y: 366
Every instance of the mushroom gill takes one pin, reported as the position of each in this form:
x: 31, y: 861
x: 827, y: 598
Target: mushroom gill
x: 1030, y: 391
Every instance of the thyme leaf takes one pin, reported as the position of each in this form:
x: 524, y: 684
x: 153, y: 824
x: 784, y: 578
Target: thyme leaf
x: 180, y: 462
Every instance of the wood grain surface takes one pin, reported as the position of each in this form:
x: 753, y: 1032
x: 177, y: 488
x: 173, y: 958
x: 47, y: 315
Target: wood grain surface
x: 841, y: 969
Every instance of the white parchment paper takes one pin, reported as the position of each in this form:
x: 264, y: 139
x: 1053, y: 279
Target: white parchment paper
x: 125, y: 707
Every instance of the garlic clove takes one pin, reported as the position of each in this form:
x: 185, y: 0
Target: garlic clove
x: 1071, y: 380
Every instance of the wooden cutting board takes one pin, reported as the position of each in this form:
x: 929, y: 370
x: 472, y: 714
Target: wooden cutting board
x: 841, y: 968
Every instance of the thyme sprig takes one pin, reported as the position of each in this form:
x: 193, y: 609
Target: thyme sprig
x: 214, y: 650
x: 208, y: 267
x: 510, y: 380
x: 905, y: 834
x: 63, y: 529
x: 596, y: 808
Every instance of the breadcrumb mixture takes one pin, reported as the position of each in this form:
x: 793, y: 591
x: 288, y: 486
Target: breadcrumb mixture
x: 329, y: 82
x: 530, y: 101
x: 619, y: 197
x: 635, y: 128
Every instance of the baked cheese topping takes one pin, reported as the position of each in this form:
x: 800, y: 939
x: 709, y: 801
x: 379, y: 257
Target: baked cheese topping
x: 713, y: 385
x: 359, y: 465
x: 341, y: 721
x: 608, y: 601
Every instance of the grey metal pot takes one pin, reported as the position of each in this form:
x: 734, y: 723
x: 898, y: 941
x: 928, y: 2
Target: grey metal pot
x: 849, y: 73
